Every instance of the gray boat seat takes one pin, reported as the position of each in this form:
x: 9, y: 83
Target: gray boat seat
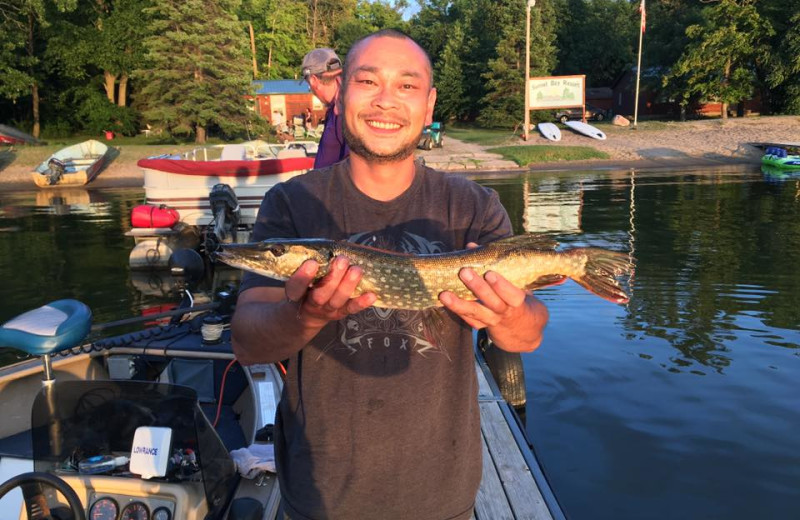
x: 51, y: 328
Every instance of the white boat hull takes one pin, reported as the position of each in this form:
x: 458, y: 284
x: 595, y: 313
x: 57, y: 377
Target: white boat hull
x: 188, y: 193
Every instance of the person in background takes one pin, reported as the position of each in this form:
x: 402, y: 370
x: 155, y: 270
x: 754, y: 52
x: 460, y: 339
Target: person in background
x: 322, y: 70
x: 378, y: 419
x: 308, y: 120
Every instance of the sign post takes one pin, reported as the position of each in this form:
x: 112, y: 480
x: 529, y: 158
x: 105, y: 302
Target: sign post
x: 527, y: 120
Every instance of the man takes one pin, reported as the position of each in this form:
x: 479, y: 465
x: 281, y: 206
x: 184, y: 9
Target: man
x: 376, y: 420
x: 322, y: 70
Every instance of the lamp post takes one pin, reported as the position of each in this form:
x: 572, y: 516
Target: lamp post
x: 527, y: 122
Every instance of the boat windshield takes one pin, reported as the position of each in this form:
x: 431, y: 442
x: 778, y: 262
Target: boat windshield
x: 73, y: 421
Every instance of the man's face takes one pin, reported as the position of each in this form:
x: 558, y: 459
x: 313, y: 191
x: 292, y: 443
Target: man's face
x: 387, y: 100
x: 325, y: 91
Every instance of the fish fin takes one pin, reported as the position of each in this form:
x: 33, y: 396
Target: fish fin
x: 546, y: 281
x: 600, y: 273
x: 433, y: 320
x: 528, y: 241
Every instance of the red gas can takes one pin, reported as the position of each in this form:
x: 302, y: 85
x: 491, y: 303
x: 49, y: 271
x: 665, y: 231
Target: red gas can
x: 150, y: 216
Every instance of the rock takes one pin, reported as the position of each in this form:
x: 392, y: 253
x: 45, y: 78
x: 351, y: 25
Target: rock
x: 620, y: 121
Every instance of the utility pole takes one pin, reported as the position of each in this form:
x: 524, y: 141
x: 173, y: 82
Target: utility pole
x: 639, y: 65
x: 527, y: 120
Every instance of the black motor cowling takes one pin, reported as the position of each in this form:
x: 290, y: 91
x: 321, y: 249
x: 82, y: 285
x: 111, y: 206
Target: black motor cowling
x: 55, y: 170
x: 226, y: 214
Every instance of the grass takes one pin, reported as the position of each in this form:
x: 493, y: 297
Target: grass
x: 481, y: 136
x: 525, y: 155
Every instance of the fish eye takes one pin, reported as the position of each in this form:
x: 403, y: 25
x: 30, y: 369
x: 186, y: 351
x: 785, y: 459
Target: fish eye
x: 276, y: 249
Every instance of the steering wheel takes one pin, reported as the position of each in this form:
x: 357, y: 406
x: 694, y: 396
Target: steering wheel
x: 32, y: 485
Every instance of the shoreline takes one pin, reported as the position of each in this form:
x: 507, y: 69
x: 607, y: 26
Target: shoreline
x: 693, y: 144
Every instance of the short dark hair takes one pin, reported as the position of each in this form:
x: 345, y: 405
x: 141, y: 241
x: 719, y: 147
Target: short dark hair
x: 385, y: 33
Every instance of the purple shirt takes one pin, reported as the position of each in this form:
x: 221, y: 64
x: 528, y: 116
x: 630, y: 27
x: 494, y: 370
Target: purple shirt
x: 332, y: 147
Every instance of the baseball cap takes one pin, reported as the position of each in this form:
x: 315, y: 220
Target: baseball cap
x: 320, y: 61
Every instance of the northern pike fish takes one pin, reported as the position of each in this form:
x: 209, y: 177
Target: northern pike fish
x: 414, y: 282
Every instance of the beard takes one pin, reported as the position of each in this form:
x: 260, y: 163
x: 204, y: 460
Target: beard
x: 359, y: 147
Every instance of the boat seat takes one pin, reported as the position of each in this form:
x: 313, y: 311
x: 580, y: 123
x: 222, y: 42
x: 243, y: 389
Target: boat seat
x: 234, y: 152
x: 54, y: 327
x: 290, y: 153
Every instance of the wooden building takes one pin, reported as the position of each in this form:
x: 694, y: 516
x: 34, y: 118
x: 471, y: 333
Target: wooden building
x: 278, y: 101
x: 653, y: 103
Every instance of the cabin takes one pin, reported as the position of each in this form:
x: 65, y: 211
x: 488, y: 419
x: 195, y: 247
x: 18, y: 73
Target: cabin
x: 279, y: 100
x: 654, y: 103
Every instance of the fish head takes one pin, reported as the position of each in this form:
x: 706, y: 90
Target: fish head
x: 276, y: 258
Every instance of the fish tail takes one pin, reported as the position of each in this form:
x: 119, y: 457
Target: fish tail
x: 600, y: 272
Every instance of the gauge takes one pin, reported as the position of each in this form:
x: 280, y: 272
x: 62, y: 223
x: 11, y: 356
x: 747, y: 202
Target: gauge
x: 162, y: 513
x: 104, y: 509
x: 135, y: 511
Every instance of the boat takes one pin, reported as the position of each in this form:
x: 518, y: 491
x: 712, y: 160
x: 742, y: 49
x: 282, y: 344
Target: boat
x: 9, y: 135
x: 214, y: 192
x: 777, y: 157
x: 161, y: 422
x: 74, y: 165
x: 184, y: 182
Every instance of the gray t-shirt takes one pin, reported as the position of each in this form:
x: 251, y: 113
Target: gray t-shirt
x: 377, y: 420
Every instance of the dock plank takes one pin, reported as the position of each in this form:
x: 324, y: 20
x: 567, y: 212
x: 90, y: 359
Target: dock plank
x: 520, y: 488
x: 509, y: 489
x: 491, y: 502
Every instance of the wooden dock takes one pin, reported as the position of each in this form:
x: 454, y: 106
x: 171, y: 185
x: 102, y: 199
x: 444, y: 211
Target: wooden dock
x: 513, y: 486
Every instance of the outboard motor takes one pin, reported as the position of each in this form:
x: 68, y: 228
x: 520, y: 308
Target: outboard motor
x: 226, y: 213
x: 55, y: 170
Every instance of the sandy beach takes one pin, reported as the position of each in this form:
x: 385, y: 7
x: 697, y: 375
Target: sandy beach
x: 656, y: 145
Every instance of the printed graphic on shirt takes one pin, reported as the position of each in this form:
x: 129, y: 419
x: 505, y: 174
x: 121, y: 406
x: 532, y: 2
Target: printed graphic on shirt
x: 377, y: 327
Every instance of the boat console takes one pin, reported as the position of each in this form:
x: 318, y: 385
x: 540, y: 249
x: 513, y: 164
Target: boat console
x: 97, y: 405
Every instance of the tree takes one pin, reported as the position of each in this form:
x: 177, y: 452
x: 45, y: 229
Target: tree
x: 450, y: 101
x: 503, y: 103
x: 324, y: 16
x: 368, y: 17
x: 21, y: 49
x: 197, y: 71
x: 782, y: 70
x: 724, y: 53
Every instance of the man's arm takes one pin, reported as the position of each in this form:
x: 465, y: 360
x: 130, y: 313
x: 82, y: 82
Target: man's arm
x: 273, y: 323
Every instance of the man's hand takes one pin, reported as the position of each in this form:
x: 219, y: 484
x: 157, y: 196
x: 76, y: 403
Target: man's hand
x: 498, y: 300
x: 329, y: 299
x: 514, y: 318
x: 273, y: 323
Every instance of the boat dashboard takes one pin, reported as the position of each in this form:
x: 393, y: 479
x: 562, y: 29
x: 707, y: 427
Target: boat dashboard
x: 86, y: 431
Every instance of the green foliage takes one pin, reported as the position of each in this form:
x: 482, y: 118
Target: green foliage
x: 448, y: 73
x: 194, y: 59
x: 597, y: 38
x: 98, y: 115
x: 280, y: 35
x: 503, y: 104
x: 368, y: 17
x: 197, y: 71
x: 783, y: 66
x: 724, y: 52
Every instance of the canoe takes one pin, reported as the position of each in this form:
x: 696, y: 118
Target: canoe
x: 74, y: 165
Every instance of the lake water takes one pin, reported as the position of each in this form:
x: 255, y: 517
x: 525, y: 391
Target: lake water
x: 682, y: 404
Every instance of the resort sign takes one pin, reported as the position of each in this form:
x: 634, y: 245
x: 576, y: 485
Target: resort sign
x: 556, y: 92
